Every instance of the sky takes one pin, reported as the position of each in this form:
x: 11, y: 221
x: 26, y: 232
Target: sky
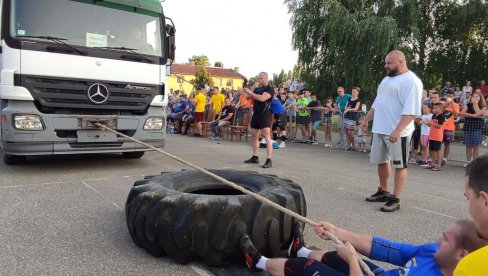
x: 254, y: 35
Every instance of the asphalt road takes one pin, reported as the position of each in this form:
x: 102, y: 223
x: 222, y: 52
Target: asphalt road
x: 64, y: 215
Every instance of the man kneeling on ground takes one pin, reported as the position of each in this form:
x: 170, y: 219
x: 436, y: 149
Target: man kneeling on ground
x: 438, y: 258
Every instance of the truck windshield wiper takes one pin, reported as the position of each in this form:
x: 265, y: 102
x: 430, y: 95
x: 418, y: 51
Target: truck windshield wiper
x: 129, y: 50
x: 58, y: 40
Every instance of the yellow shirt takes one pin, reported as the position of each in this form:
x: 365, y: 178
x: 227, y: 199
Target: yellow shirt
x: 217, y: 102
x: 475, y: 264
x: 200, y: 101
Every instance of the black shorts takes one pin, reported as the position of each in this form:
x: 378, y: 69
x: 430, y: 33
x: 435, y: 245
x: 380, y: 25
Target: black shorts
x: 435, y: 145
x: 280, y: 121
x: 303, y: 120
x: 331, y: 264
x: 260, y: 121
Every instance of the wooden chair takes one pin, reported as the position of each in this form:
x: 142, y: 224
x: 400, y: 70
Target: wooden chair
x: 239, y: 130
x: 210, y: 117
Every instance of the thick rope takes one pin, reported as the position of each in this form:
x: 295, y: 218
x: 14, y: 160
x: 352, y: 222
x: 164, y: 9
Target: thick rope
x: 299, y: 217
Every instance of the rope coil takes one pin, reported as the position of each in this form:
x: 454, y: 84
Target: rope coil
x: 299, y: 217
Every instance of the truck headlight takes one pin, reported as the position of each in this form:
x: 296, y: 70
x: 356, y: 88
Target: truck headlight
x: 28, y: 122
x: 153, y: 123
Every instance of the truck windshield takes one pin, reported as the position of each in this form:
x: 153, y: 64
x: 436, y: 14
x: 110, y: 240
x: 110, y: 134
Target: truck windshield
x: 88, y: 25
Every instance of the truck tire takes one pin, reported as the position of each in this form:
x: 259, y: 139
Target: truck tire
x: 133, y: 154
x: 13, y: 159
x: 188, y: 215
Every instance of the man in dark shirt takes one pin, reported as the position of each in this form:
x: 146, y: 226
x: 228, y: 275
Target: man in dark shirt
x: 224, y: 119
x: 261, y: 92
x: 315, y: 108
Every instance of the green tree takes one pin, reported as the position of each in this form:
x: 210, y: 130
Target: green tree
x: 202, y: 78
x: 279, y: 78
x: 199, y: 60
x: 344, y: 42
x: 341, y: 42
x: 218, y: 64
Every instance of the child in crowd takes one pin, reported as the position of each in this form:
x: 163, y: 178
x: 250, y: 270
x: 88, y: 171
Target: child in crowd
x: 361, y: 138
x: 436, y: 135
x: 424, y: 134
x: 328, y: 110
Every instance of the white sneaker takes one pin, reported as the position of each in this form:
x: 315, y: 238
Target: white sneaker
x: 485, y: 144
x: 282, y: 145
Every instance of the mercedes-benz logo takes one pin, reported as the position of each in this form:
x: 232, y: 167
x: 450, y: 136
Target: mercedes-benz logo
x: 98, y: 93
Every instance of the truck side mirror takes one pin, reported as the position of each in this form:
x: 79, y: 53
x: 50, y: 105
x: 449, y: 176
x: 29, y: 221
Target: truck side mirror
x: 170, y: 39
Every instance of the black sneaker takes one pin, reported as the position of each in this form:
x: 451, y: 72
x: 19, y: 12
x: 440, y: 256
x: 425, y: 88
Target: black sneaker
x: 254, y: 160
x: 196, y: 135
x: 297, y: 242
x: 250, y: 253
x: 268, y: 163
x: 392, y: 204
x: 379, y: 196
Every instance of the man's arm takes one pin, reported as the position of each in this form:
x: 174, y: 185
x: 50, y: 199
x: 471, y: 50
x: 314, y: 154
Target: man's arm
x: 263, y: 97
x: 367, y: 119
x: 227, y: 118
x: 361, y: 243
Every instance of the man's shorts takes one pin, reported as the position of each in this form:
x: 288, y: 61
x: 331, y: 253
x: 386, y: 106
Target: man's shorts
x: 199, y: 116
x: 280, y: 121
x: 448, y: 136
x: 303, y: 120
x: 435, y: 145
x: 260, y: 121
x: 382, y: 150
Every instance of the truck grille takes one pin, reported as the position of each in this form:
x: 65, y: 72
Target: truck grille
x: 60, y: 93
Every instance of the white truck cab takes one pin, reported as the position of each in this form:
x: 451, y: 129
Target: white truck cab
x: 67, y: 64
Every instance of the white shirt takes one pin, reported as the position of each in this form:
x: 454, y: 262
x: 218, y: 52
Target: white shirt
x: 425, y: 129
x: 397, y: 96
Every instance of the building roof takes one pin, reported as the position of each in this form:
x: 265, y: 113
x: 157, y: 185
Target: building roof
x: 188, y: 69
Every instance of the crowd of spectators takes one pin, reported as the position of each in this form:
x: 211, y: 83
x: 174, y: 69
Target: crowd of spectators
x: 452, y: 113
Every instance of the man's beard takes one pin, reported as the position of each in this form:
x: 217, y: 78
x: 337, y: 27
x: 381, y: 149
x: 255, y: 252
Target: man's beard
x: 392, y: 72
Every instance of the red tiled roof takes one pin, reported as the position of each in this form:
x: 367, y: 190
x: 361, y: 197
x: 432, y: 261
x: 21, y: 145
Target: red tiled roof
x: 188, y: 69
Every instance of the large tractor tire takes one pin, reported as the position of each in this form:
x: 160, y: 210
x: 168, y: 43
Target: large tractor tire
x: 188, y: 215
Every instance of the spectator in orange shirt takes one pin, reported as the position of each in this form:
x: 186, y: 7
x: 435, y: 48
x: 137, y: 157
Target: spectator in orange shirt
x: 451, y: 111
x: 242, y: 105
x: 436, y: 135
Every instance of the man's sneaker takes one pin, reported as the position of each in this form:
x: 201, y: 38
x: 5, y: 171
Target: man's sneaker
x: 282, y: 144
x: 250, y: 253
x: 412, y: 161
x: 444, y: 162
x: 315, y: 143
x: 297, y: 242
x: 379, y: 196
x: 392, y: 204
x: 423, y: 163
x: 253, y: 160
x: 196, y: 135
x: 268, y: 163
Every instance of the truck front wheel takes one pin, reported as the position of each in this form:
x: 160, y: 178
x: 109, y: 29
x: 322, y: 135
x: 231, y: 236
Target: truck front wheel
x: 13, y: 159
x: 133, y: 154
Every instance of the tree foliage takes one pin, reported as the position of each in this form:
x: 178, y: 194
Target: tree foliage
x: 219, y: 64
x: 202, y: 78
x: 344, y: 42
x: 199, y: 60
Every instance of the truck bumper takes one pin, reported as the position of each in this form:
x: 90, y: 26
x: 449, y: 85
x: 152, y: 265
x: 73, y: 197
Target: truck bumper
x: 62, y: 134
